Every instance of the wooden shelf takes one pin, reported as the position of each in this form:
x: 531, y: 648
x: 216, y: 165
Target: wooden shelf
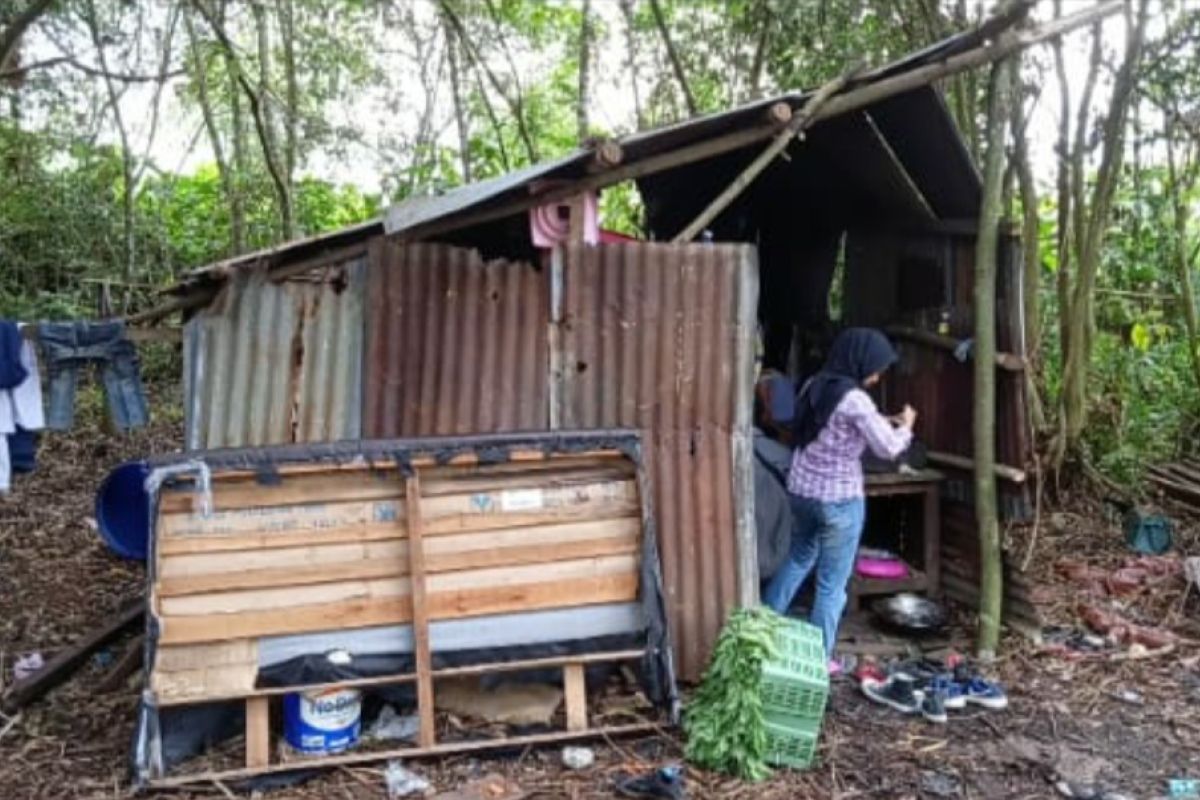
x: 867, y: 587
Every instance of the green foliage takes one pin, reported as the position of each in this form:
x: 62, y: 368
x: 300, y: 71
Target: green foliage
x: 724, y: 722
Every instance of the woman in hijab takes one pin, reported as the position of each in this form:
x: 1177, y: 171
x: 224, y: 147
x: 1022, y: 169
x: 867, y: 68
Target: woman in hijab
x: 836, y: 420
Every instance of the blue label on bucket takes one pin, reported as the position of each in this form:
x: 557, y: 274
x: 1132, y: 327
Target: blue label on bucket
x: 322, y: 722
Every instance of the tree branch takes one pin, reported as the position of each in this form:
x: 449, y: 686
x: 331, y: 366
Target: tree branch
x: 676, y: 64
x: 256, y: 110
x: 87, y: 69
x: 11, y: 35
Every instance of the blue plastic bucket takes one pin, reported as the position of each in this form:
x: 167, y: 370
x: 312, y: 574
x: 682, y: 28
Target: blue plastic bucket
x: 323, y: 721
x: 123, y: 511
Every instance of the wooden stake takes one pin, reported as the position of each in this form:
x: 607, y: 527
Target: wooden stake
x: 420, y: 623
x: 794, y: 128
x: 258, y: 732
x: 575, y: 693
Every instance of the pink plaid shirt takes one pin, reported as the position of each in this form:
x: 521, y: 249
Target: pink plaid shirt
x: 830, y: 468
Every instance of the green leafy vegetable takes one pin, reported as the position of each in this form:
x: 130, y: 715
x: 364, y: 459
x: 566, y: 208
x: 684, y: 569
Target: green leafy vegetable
x: 724, y: 721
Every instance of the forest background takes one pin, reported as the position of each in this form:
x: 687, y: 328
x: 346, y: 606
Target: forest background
x: 142, y: 138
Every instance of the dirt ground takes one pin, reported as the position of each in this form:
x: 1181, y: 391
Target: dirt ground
x: 1127, y: 726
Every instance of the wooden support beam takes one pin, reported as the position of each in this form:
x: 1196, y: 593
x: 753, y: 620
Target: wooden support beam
x: 795, y: 127
x: 427, y: 734
x: 926, y: 210
x: 575, y: 694
x: 258, y: 732
x: 550, y: 662
x: 1004, y: 471
x: 367, y: 757
x: 1006, y: 361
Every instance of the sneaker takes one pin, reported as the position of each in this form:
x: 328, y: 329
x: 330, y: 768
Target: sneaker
x: 953, y: 694
x: 666, y: 782
x: 933, y: 706
x: 984, y: 693
x: 897, y: 692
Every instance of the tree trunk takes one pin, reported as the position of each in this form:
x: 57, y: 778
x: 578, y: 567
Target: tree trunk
x: 1179, y: 190
x: 257, y: 112
x: 287, y: 35
x: 200, y: 66
x: 10, y: 37
x: 461, y: 121
x: 276, y: 161
x: 631, y: 62
x: 673, y: 56
x: 1063, y: 185
x: 514, y: 102
x: 114, y: 100
x: 585, y: 60
x: 991, y: 591
x: 1091, y: 238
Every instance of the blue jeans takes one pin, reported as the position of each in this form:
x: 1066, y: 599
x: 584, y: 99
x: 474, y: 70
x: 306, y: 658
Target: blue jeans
x: 69, y: 346
x: 824, y: 535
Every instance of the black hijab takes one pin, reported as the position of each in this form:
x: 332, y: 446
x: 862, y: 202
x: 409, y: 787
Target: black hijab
x: 856, y: 354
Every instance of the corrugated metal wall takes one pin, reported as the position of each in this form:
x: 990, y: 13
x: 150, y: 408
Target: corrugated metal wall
x: 660, y: 337
x: 652, y: 336
x: 454, y: 344
x: 272, y: 363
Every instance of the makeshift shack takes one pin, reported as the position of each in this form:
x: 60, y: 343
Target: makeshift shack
x: 446, y: 317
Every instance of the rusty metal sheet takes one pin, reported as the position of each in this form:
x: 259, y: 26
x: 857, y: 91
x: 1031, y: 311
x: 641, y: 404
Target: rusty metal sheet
x: 273, y: 363
x: 660, y: 338
x: 454, y: 344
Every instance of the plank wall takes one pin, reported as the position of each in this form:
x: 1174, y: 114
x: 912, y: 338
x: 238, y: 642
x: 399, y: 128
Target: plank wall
x: 329, y: 550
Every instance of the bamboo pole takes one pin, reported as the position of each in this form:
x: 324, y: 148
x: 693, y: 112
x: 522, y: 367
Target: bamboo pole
x: 792, y: 130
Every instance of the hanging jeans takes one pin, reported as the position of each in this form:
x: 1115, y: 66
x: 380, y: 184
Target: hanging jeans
x: 825, y: 536
x: 69, y: 346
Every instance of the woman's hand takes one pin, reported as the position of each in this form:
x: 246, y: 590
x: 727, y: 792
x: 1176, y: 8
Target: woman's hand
x: 906, y: 418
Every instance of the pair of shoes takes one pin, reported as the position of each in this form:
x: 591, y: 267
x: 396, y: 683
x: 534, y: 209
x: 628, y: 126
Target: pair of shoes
x: 942, y: 693
x: 666, y: 782
x: 977, y: 691
x: 901, y: 693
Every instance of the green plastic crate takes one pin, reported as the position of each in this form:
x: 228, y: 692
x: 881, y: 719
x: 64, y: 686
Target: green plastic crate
x: 791, y: 741
x: 797, y: 687
x: 796, y: 683
x: 800, y: 630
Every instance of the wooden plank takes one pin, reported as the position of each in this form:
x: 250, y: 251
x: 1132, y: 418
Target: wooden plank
x: 295, y: 490
x: 263, y: 541
x: 188, y: 685
x: 221, y: 563
x: 198, y: 656
x: 575, y: 694
x: 549, y: 662
x: 278, y: 520
x: 237, y: 494
x: 231, y: 602
x: 258, y: 732
x: 446, y: 748
x: 369, y: 612
x: 208, y: 572
x: 422, y: 657
x: 343, y: 523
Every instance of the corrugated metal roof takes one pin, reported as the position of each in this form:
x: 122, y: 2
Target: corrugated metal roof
x: 657, y: 337
x: 454, y: 344
x: 908, y: 114
x: 272, y: 363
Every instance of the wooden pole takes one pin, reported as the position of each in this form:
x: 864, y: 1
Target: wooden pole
x: 991, y: 587
x: 1006, y: 361
x: 426, y: 735
x: 794, y: 128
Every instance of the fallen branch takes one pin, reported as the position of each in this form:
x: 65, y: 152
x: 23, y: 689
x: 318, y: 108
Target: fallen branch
x: 65, y: 663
